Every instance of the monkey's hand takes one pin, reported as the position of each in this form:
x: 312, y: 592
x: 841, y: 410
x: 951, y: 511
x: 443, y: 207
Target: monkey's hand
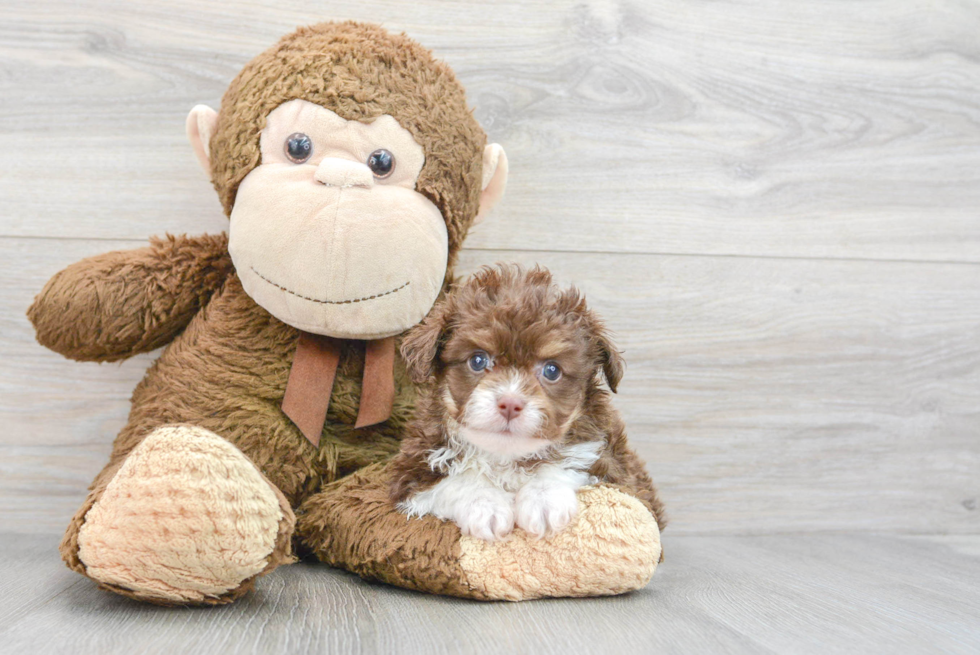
x: 112, y: 306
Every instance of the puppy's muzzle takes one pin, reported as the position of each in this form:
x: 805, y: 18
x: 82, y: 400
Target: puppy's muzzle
x: 510, y: 406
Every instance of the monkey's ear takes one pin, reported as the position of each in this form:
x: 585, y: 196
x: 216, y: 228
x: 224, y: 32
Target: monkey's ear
x: 494, y: 179
x: 201, y: 123
x: 420, y: 347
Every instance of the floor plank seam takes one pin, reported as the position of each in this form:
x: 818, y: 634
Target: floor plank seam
x: 560, y: 251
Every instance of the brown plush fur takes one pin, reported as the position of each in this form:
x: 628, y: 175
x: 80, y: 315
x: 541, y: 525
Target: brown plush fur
x: 228, y: 360
x: 359, y: 71
x: 116, y: 305
x: 521, y: 319
x: 381, y: 544
x: 427, y: 554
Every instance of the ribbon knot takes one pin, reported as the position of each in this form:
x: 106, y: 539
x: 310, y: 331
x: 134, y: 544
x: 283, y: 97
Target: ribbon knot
x: 311, y: 379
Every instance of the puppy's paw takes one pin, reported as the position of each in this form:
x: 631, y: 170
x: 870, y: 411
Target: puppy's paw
x: 545, y: 510
x: 487, y: 516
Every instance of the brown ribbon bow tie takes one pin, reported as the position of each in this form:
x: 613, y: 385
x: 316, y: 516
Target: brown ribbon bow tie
x: 311, y: 383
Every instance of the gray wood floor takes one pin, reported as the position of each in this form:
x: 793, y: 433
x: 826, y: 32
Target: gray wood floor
x: 775, y: 205
x: 714, y: 594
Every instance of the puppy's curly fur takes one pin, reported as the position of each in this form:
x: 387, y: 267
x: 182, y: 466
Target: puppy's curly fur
x: 568, y: 432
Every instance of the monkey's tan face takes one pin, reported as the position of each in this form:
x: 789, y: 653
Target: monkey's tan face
x: 328, y: 233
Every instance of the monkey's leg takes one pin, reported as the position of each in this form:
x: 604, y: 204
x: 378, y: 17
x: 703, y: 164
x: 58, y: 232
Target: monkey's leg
x: 185, y: 518
x: 611, y: 547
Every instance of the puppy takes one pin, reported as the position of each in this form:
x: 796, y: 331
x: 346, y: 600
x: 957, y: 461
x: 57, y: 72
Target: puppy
x: 512, y: 419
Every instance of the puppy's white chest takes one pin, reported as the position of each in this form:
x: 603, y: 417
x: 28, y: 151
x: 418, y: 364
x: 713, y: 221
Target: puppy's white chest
x: 485, y: 496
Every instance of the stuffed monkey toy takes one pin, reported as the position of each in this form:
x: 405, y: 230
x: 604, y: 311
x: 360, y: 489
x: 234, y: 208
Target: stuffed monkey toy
x: 351, y: 169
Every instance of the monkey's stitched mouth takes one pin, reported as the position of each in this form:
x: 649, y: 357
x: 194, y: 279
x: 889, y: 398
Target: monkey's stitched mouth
x: 330, y: 302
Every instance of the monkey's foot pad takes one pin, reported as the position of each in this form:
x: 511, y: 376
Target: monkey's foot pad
x: 612, y: 546
x: 187, y: 519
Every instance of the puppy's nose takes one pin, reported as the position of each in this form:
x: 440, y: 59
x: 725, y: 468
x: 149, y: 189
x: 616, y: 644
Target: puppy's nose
x: 334, y: 171
x: 510, y: 406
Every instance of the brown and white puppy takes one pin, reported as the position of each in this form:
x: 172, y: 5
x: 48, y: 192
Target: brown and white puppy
x: 513, y: 418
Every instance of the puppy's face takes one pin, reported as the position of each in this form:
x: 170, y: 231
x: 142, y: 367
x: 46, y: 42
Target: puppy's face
x: 514, y: 386
x: 514, y: 359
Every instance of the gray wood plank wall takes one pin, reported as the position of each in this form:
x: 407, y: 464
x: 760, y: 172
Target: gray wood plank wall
x: 776, y: 206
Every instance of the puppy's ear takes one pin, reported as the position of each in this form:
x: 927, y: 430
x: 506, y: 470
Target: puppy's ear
x: 420, y: 347
x: 610, y: 360
x: 613, y: 364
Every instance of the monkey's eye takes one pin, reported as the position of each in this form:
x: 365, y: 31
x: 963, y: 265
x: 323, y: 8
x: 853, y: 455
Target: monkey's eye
x: 479, y: 361
x: 551, y: 371
x: 298, y: 147
x: 381, y: 162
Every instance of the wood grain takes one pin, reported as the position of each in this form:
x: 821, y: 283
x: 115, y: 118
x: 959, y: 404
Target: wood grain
x: 832, y: 130
x: 765, y: 394
x: 776, y: 207
x: 789, y: 593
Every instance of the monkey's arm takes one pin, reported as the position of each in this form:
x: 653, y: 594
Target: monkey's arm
x: 112, y: 306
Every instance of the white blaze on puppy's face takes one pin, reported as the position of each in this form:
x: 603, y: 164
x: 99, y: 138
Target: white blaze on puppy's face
x: 485, y: 426
x: 326, y: 244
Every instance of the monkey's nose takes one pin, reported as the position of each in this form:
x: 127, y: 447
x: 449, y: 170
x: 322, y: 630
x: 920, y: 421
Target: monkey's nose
x: 334, y: 171
x: 510, y: 407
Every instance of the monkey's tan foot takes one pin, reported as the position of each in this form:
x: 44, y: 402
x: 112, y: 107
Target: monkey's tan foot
x: 187, y: 519
x: 611, y: 547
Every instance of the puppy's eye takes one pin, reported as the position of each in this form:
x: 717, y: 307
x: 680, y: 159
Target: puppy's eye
x: 551, y: 371
x: 298, y: 147
x: 381, y: 162
x: 479, y: 361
